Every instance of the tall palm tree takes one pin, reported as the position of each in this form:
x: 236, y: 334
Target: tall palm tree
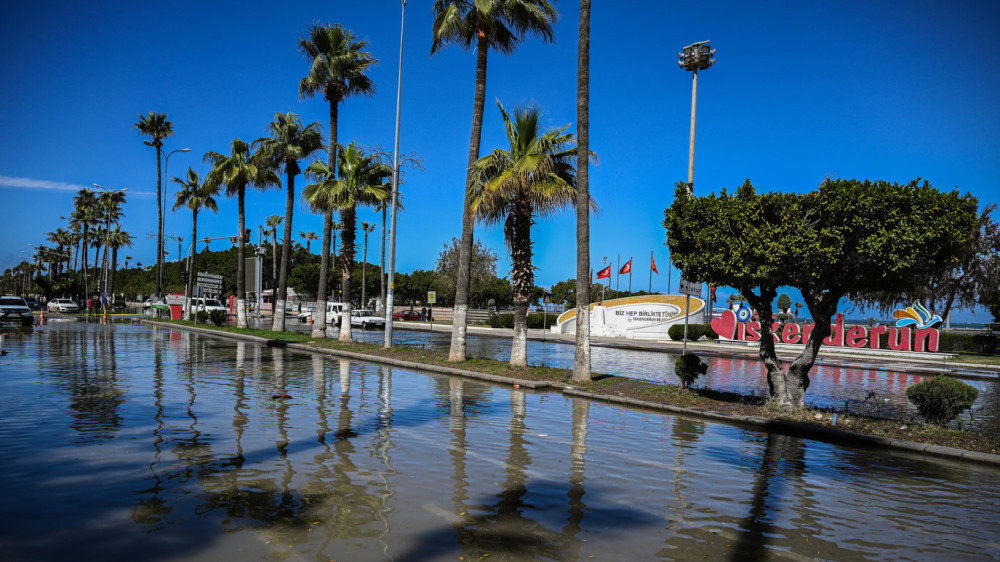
x: 63, y: 240
x: 338, y: 61
x: 195, y: 195
x: 367, y: 228
x: 362, y: 182
x: 534, y: 177
x: 85, y: 215
x: 156, y: 127
x: 272, y: 223
x: 497, y: 25
x: 289, y: 142
x: 241, y: 169
x: 117, y: 239
x: 581, y: 359
x: 308, y: 237
x: 109, y: 204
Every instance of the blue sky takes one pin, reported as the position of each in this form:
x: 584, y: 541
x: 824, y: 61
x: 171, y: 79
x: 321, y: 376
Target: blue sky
x: 801, y: 91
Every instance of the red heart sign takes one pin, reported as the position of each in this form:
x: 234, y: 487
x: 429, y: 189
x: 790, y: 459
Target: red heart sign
x: 725, y: 325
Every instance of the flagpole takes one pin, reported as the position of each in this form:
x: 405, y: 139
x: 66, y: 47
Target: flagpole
x: 618, y: 276
x: 651, y: 271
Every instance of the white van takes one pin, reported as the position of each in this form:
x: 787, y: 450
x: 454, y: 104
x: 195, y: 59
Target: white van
x: 334, y: 311
x: 208, y: 305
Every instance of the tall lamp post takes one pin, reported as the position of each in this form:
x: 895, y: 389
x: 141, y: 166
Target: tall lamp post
x: 395, y: 194
x: 163, y: 200
x: 694, y: 57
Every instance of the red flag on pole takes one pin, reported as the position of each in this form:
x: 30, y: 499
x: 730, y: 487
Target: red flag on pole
x: 652, y: 264
x: 604, y: 273
x: 627, y: 268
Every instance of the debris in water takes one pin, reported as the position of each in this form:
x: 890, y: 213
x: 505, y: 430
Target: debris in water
x: 280, y: 397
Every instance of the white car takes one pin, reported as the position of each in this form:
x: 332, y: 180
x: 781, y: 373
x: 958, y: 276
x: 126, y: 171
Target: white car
x: 334, y: 310
x: 208, y: 305
x: 366, y: 320
x: 15, y: 310
x: 62, y: 305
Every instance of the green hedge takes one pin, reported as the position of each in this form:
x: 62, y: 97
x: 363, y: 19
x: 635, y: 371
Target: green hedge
x: 535, y: 321
x: 942, y: 398
x: 695, y: 332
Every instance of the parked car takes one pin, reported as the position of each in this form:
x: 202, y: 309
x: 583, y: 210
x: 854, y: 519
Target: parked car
x: 334, y: 310
x: 15, y: 310
x: 199, y: 304
x: 62, y: 305
x: 407, y: 315
x: 366, y: 319
x: 32, y: 303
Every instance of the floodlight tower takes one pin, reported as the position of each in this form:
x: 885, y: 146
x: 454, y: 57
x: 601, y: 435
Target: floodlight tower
x: 694, y: 57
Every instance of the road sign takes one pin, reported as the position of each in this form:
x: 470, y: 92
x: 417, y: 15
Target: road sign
x: 431, y: 297
x: 690, y: 288
x: 203, y: 275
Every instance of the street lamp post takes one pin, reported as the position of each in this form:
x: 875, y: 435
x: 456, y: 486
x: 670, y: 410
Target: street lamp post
x: 163, y: 200
x: 395, y: 194
x: 694, y: 57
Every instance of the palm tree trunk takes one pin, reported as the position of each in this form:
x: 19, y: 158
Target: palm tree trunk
x: 274, y: 262
x: 278, y: 322
x: 348, y: 219
x: 319, y: 315
x: 461, y: 310
x: 382, y: 273
x: 159, y: 227
x: 114, y: 270
x: 521, y: 279
x: 241, y: 282
x: 190, y: 264
x: 581, y: 359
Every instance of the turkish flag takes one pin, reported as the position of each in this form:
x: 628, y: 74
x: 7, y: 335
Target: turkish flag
x: 652, y: 265
x: 627, y: 268
x: 604, y: 273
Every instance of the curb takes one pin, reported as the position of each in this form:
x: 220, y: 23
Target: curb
x: 821, y: 433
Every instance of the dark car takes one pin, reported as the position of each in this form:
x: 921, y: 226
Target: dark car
x: 32, y: 303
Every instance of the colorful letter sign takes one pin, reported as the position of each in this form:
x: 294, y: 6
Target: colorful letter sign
x: 921, y: 338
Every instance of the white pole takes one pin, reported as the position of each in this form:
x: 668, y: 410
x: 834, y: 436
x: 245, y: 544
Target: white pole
x: 395, y: 193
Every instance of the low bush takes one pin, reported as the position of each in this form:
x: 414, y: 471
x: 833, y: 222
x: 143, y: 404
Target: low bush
x: 219, y: 317
x: 201, y: 317
x: 942, y: 398
x: 535, y: 321
x: 695, y: 332
x: 689, y: 367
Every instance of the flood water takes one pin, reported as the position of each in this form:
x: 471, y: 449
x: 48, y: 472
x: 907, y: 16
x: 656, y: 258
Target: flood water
x: 126, y: 442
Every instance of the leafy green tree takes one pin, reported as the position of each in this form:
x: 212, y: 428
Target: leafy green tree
x: 483, y: 270
x: 564, y: 293
x: 499, y: 25
x: 156, y: 127
x: 289, y: 142
x: 846, y: 240
x: 535, y: 177
x: 195, y: 195
x: 237, y: 171
x: 784, y: 302
x: 338, y: 63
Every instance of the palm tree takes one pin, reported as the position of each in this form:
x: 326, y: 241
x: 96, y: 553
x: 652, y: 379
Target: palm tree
x: 240, y: 169
x: 289, y: 142
x: 308, y: 237
x: 194, y: 195
x: 581, y: 360
x: 362, y: 182
x: 63, y: 240
x: 338, y: 62
x: 85, y: 215
x: 367, y: 228
x: 497, y: 25
x: 534, y: 177
x: 110, y: 205
x: 117, y: 239
x: 272, y: 223
x: 156, y: 127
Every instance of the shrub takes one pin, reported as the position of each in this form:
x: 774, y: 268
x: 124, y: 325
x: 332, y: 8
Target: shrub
x: 201, y: 317
x: 942, y: 398
x: 535, y: 321
x: 219, y: 317
x: 695, y: 332
x: 687, y: 368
